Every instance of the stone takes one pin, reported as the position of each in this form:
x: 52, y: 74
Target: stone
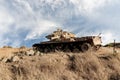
x: 15, y: 59
x: 6, y: 59
x: 30, y: 53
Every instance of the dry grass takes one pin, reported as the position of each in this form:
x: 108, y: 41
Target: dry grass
x: 64, y: 66
x: 8, y: 52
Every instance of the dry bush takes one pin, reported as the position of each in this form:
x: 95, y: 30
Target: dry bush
x: 5, y: 73
x: 7, y: 46
x: 87, y: 66
x: 23, y: 47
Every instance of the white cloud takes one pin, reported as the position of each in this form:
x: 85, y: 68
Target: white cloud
x: 27, y: 19
x: 104, y: 14
x: 25, y: 5
x: 5, y: 21
x: 43, y: 26
x: 107, y: 37
x: 90, y: 6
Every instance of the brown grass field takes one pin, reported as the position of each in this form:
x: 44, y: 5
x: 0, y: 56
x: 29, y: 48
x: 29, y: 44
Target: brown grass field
x: 92, y: 65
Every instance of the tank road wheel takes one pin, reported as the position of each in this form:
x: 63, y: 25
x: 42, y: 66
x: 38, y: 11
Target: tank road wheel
x: 66, y: 49
x: 57, y: 48
x: 75, y: 48
x: 46, y: 49
x: 95, y: 48
x: 85, y: 47
x: 35, y: 48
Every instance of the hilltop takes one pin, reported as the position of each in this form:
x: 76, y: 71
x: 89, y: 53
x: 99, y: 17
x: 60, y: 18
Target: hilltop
x: 25, y: 64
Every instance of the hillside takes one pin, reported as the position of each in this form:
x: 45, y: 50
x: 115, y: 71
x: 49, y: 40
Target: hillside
x: 25, y: 64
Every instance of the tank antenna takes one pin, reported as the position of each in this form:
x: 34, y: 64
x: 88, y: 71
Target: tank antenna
x: 99, y: 34
x: 58, y: 28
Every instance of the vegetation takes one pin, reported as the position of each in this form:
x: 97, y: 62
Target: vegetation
x: 99, y: 65
x: 7, y: 46
x: 113, y: 45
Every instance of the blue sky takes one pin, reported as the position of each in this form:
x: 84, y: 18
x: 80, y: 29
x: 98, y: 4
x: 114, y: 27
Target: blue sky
x: 24, y: 22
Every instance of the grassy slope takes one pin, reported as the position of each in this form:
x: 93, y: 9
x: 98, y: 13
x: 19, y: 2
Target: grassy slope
x: 63, y: 66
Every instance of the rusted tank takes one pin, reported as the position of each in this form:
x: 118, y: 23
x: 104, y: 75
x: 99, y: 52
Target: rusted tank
x: 67, y: 42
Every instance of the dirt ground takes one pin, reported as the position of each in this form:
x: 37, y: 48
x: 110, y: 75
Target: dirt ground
x: 103, y: 64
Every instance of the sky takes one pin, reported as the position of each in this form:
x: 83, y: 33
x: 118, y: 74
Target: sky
x: 25, y: 22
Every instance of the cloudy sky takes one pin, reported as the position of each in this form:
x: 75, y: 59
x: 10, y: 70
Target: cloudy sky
x: 24, y: 22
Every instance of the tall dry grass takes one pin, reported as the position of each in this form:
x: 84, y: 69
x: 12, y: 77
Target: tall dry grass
x: 63, y: 66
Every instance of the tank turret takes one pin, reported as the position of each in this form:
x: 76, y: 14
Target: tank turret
x: 60, y: 35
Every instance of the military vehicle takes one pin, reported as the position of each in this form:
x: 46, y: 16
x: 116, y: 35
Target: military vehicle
x: 116, y: 45
x: 67, y: 42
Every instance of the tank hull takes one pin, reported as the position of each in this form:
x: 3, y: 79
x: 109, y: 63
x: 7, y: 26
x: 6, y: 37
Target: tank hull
x: 77, y: 44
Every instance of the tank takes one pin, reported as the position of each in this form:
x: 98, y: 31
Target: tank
x: 65, y: 41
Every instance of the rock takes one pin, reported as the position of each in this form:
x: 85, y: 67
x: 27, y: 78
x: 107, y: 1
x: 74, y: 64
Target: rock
x: 10, y: 59
x: 41, y: 54
x: 65, y: 56
x: 1, y: 58
x: 15, y: 59
x: 30, y: 53
x: 37, y: 53
x: 6, y: 59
